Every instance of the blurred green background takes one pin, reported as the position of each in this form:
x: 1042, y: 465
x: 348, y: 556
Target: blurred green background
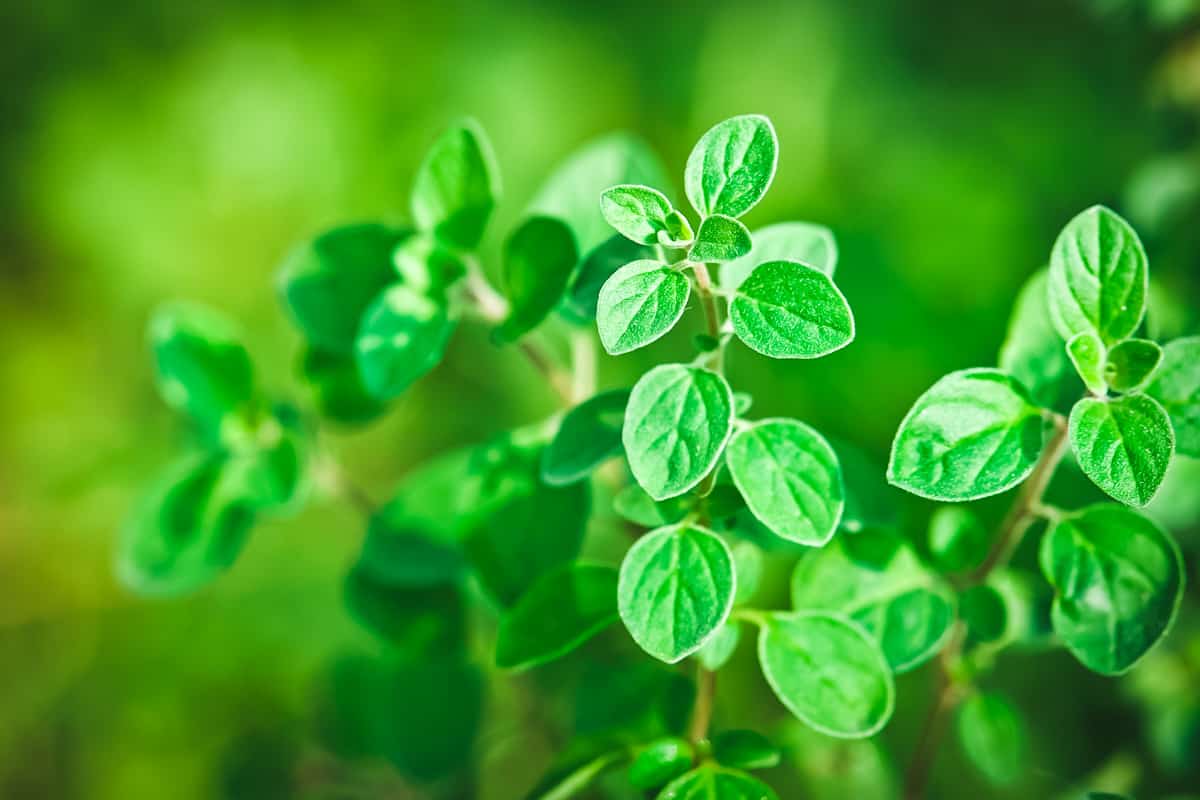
x: 151, y: 151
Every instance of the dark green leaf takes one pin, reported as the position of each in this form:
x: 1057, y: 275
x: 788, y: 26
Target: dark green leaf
x: 1177, y: 386
x: 1131, y: 364
x: 957, y: 539
x: 676, y: 425
x: 457, y: 186
x: 589, y: 435
x: 1087, y: 354
x: 710, y: 782
x: 809, y: 244
x: 870, y: 501
x: 720, y: 238
x: 993, y: 736
x: 1033, y: 351
x: 402, y: 337
x: 744, y: 749
x: 660, y: 762
x: 786, y: 309
x: 676, y: 589
x: 1124, y: 445
x: 731, y: 167
x: 638, y: 213
x: 539, y: 258
x: 639, y: 304
x: 983, y: 610
x: 583, y: 290
x: 1118, y: 580
x: 442, y: 701
x: 416, y: 621
x: 337, y: 388
x: 974, y: 433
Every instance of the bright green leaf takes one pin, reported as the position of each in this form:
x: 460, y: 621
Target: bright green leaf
x: 957, y: 539
x: 732, y: 165
x: 786, y: 309
x: 1177, y: 386
x: 639, y: 304
x: 1098, y: 277
x: 1124, y: 445
x: 268, y: 458
x: 632, y: 503
x: 589, y: 435
x: 717, y: 651
x: 790, y: 479
x: 403, y: 336
x: 710, y: 782
x: 828, y: 672
x: 747, y: 563
x: 744, y: 749
x: 457, y: 186
x: 676, y: 425
x: 561, y: 611
x: 638, y: 213
x: 539, y: 257
x: 425, y: 266
x: 1033, y: 351
x: 809, y: 244
x: 992, y: 734
x: 337, y: 389
x: 676, y: 589
x: 720, y: 238
x: 660, y: 762
x: 974, y: 433
x: 1087, y: 354
x: 1118, y: 581
x: 1132, y: 363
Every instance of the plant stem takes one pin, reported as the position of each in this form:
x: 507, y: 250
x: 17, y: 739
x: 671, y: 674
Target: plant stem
x: 706, y: 687
x: 1025, y: 509
x: 334, y: 479
x: 712, y: 314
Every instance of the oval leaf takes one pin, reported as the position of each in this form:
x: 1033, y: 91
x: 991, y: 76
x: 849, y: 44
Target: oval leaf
x: 676, y: 425
x: 711, y: 782
x: 638, y: 213
x: 993, y: 736
x: 957, y: 539
x: 1087, y: 354
x: 786, y: 309
x: 731, y: 166
x: 457, y: 186
x: 1177, y: 387
x: 403, y: 336
x: 744, y: 749
x: 809, y: 244
x: 790, y: 479
x: 589, y: 435
x: 720, y: 238
x: 1124, y: 445
x: 974, y: 433
x: 1098, y: 277
x: 639, y: 304
x: 538, y: 260
x: 1033, y: 351
x: 1131, y: 363
x: 676, y: 589
x: 1118, y: 581
x: 659, y: 762
x: 828, y: 672
x: 560, y: 612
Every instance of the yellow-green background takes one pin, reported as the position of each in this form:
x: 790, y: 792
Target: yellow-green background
x: 153, y: 150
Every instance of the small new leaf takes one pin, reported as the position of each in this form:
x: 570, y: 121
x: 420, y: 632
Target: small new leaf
x: 731, y: 167
x: 804, y: 654
x: 790, y: 479
x: 589, y: 435
x: 538, y: 260
x: 974, y: 433
x: 1087, y: 354
x: 676, y: 426
x: 403, y: 336
x: 676, y: 589
x: 710, y: 782
x: 809, y: 244
x: 638, y: 213
x: 1118, y: 580
x: 457, y: 186
x: 992, y: 734
x: 1177, y: 386
x: 1124, y: 445
x: 560, y: 612
x: 744, y: 749
x: 1131, y: 364
x: 720, y: 238
x: 639, y: 304
x: 659, y: 762
x: 786, y: 309
x: 1098, y: 277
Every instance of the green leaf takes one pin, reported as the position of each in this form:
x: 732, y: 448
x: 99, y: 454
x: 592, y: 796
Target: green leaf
x: 418, y: 622
x: 570, y: 192
x: 1087, y: 354
x: 457, y: 186
x: 790, y: 479
x: 676, y: 589
x: 425, y: 266
x: 1098, y: 277
x: 660, y: 762
x: 583, y: 290
x: 560, y: 612
x: 809, y: 244
x: 632, y: 503
x: 589, y: 435
x: 874, y: 578
x: 1118, y: 581
x: 639, y: 304
x: 402, y: 337
x: 1177, y: 386
x: 268, y: 457
x: 957, y: 539
x: 744, y: 749
x: 1123, y: 444
x: 638, y: 213
x: 676, y: 425
x: 538, y: 260
x: 717, y: 651
x: 1033, y: 352
x: 327, y: 284
x: 747, y: 563
x: 983, y: 610
x: 710, y: 782
x: 786, y: 309
x: 203, y: 369
x: 974, y: 433
x: 870, y: 500
x: 731, y: 167
x: 720, y: 238
x: 1131, y: 364
x: 992, y: 734
x: 828, y: 672
x: 186, y: 530
x: 337, y: 389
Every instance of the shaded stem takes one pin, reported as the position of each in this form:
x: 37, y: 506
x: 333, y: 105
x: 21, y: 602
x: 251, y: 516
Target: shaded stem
x: 338, y: 483
x: 706, y: 688
x: 1025, y: 509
